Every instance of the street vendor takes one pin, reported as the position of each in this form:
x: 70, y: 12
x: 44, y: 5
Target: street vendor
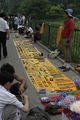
x: 66, y: 39
x: 28, y: 31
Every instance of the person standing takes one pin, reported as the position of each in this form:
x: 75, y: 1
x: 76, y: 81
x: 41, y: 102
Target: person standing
x: 4, y: 34
x: 23, y: 19
x: 66, y: 38
x: 16, y: 22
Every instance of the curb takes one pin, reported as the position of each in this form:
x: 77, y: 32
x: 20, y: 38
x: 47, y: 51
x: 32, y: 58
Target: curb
x: 60, y: 59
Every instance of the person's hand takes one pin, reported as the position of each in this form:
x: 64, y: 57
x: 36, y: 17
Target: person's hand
x: 21, y: 89
x: 24, y: 97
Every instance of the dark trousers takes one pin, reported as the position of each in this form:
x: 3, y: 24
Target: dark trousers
x: 37, y: 36
x: 15, y: 27
x: 3, y: 43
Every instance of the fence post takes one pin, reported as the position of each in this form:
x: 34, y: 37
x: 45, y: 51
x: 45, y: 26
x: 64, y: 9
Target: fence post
x: 49, y: 35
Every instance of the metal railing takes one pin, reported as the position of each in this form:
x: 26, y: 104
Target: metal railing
x: 76, y: 46
x: 49, y: 40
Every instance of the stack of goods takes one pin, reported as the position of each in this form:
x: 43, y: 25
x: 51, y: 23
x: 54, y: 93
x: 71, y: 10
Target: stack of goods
x: 73, y: 113
x: 65, y: 102
x: 43, y: 75
x: 26, y: 53
x: 78, y: 95
x: 77, y: 81
x: 71, y: 106
x: 75, y: 107
x: 20, y: 42
x: 50, y: 105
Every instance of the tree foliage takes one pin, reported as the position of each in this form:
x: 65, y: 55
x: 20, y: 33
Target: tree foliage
x: 36, y: 8
x: 25, y: 6
x: 39, y: 8
x: 55, y: 10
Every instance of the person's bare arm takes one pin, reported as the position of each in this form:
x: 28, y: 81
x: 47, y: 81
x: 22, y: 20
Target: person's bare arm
x: 25, y: 108
x: 70, y: 37
x: 23, y: 83
x: 71, y: 34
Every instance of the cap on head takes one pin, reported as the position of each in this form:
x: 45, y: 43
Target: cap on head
x: 69, y: 12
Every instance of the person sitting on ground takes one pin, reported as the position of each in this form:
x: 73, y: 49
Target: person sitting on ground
x: 77, y: 68
x: 37, y: 35
x: 15, y: 90
x: 10, y: 68
x: 11, y: 111
x: 28, y: 31
x: 7, y: 98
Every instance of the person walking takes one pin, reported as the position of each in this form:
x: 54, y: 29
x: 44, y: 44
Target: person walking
x: 66, y: 38
x: 4, y: 34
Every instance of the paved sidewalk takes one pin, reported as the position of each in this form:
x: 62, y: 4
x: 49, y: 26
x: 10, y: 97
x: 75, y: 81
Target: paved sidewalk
x: 16, y: 62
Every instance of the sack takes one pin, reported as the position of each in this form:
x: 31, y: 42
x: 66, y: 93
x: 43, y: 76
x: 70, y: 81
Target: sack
x: 37, y: 113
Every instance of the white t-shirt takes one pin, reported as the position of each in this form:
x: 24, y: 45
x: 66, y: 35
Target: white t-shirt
x: 23, y: 19
x: 3, y: 25
x: 8, y: 98
x: 16, y: 20
x: 30, y: 30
